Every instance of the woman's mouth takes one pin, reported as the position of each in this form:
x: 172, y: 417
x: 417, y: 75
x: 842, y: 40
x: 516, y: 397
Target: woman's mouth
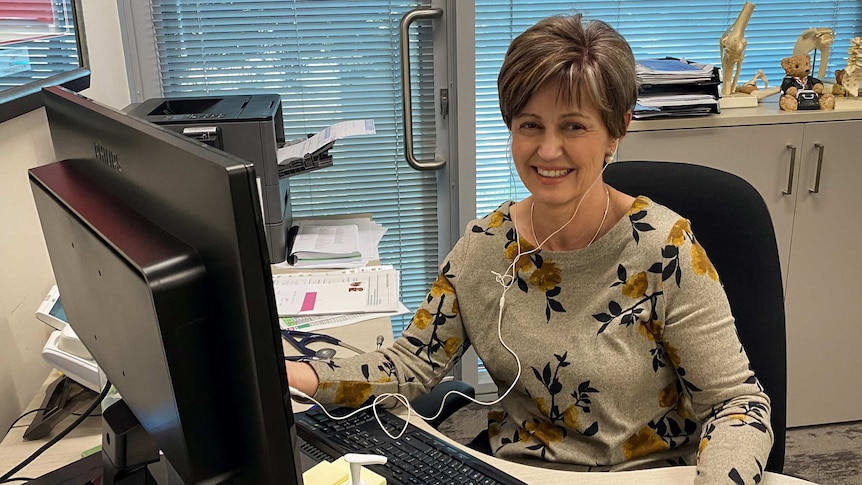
x: 553, y: 173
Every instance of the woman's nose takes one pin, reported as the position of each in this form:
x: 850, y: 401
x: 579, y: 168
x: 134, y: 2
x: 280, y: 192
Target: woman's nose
x: 550, y: 146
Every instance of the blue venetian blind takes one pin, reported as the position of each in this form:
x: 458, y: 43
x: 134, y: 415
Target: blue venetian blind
x: 654, y: 28
x: 330, y: 61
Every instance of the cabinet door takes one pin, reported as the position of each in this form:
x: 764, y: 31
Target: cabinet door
x: 758, y: 154
x: 824, y: 333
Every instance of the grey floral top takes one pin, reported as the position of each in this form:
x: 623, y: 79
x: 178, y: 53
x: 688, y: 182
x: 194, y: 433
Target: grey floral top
x: 629, y: 356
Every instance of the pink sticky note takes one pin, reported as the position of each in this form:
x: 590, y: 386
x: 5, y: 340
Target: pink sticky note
x: 308, y: 301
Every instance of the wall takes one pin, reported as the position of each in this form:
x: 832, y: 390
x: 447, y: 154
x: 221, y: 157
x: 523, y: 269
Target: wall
x: 25, y: 274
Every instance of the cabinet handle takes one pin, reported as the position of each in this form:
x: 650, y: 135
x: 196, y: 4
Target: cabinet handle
x: 789, y: 189
x: 816, y: 188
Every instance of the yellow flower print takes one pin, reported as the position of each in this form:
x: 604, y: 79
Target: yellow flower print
x: 542, y: 405
x: 652, y: 329
x: 547, y: 277
x: 352, y: 393
x: 452, y: 344
x: 678, y: 232
x: 668, y: 396
x: 638, y: 205
x: 524, y: 262
x: 493, y: 429
x: 570, y: 417
x: 496, y: 416
x: 703, y: 443
x: 441, y: 287
x: 545, y: 431
x: 422, y: 318
x: 673, y: 354
x: 701, y: 264
x: 495, y: 220
x: 636, y: 286
x: 495, y: 419
x: 456, y: 309
x: 643, y: 443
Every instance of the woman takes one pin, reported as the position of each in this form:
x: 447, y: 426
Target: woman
x: 616, y: 347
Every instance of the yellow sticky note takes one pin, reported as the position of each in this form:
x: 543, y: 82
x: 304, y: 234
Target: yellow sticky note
x: 326, y: 473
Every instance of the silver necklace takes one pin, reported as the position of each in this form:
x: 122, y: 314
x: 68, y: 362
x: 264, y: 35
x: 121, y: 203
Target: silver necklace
x: 598, y: 230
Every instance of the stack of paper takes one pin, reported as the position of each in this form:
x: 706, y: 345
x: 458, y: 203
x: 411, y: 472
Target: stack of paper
x: 672, y: 71
x: 333, y: 243
x: 317, y: 244
x: 373, y: 289
x: 676, y: 87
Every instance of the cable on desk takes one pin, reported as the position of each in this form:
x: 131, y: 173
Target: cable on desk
x: 7, y: 477
x: 21, y: 417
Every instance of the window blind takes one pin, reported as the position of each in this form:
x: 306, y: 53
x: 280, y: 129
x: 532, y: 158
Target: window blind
x: 329, y: 61
x: 654, y: 28
x: 37, y: 41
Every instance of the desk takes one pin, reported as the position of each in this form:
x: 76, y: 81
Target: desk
x: 362, y: 335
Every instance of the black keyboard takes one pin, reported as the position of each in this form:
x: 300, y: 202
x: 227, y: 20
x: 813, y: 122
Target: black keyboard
x: 417, y: 457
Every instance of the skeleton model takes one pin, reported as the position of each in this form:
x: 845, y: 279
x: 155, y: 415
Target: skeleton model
x: 732, y: 45
x: 852, y: 74
x: 816, y: 39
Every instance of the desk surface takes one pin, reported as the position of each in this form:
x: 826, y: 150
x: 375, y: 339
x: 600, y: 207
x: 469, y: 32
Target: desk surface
x: 13, y: 449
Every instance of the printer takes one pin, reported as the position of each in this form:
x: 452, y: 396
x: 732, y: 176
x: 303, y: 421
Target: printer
x: 248, y: 126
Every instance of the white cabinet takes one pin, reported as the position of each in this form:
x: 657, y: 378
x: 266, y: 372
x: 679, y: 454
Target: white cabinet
x: 818, y: 236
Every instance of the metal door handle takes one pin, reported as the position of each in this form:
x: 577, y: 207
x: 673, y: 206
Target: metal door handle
x: 789, y: 189
x: 404, y: 27
x: 816, y: 188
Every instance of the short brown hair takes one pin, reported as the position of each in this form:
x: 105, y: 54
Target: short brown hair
x: 592, y: 58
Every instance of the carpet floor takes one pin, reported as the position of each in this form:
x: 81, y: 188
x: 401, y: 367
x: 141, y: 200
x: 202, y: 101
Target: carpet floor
x: 827, y: 455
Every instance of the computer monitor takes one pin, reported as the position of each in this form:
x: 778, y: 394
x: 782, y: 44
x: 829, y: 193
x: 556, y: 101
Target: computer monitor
x: 158, y: 249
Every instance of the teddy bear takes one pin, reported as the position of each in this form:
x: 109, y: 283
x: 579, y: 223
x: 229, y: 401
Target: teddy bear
x: 799, y: 90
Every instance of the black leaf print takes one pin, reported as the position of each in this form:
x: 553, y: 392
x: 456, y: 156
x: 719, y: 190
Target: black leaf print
x: 553, y: 291
x: 734, y: 475
x: 556, y: 306
x: 621, y: 272
x: 603, y: 317
x: 669, y: 270
x: 670, y: 251
x: 365, y: 371
x: 546, y: 375
x: 643, y: 227
x: 593, y: 429
x: 655, y: 268
x: 476, y: 229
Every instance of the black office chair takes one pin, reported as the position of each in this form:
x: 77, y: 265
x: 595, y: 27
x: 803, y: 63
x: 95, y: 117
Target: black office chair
x: 731, y: 221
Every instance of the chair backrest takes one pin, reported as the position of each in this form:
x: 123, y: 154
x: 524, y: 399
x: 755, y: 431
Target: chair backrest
x: 731, y: 221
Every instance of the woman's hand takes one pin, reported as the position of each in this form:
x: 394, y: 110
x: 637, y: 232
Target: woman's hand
x: 301, y: 376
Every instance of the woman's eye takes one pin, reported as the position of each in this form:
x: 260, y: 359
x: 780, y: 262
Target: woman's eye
x: 574, y: 127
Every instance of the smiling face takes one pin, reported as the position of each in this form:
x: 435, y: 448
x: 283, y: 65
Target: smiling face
x: 559, y: 148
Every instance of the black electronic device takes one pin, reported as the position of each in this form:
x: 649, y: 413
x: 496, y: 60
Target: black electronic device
x: 248, y: 126
x: 415, y: 457
x: 158, y: 248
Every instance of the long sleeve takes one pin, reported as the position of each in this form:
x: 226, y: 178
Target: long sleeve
x: 423, y: 354
x: 700, y: 338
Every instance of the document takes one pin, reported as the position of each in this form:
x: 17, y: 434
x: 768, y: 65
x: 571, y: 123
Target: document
x: 323, y: 140
x: 362, y: 290
x: 370, y: 234
x: 315, y: 244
